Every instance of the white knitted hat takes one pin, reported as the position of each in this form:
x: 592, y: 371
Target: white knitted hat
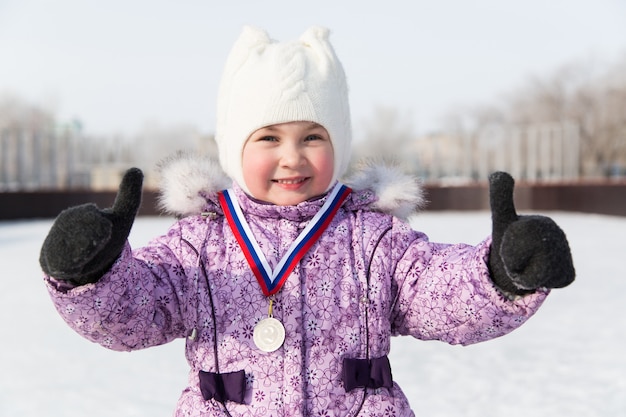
x: 266, y: 82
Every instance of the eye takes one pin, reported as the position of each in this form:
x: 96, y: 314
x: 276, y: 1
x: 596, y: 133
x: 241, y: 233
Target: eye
x: 267, y: 138
x: 313, y: 137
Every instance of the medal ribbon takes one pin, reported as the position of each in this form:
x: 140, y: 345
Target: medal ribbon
x: 270, y: 280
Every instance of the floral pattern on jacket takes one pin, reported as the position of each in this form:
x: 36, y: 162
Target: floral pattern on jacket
x: 369, y: 277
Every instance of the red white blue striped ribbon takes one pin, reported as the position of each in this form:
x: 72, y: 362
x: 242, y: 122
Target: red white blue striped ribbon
x: 270, y: 280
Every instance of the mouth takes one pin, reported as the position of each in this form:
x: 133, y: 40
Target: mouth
x: 290, y: 181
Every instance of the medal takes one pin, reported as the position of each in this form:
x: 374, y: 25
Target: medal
x: 269, y: 333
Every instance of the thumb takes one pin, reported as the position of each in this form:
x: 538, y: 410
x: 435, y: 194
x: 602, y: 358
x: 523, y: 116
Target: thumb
x: 128, y: 197
x: 501, y: 200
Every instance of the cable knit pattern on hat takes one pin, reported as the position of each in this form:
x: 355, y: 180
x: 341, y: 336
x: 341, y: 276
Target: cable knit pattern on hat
x: 266, y: 82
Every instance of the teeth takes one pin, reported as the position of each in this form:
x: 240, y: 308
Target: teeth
x: 290, y: 181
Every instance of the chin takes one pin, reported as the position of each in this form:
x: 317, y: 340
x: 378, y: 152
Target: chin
x: 289, y: 200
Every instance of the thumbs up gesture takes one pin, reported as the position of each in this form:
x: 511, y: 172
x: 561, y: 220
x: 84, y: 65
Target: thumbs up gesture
x: 84, y: 241
x: 527, y: 252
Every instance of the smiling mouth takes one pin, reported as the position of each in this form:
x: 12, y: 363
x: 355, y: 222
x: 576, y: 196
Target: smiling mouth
x: 291, y: 181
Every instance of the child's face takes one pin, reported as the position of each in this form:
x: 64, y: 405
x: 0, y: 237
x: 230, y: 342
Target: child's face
x: 288, y: 163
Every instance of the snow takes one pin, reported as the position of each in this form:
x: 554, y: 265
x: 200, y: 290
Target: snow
x: 566, y: 361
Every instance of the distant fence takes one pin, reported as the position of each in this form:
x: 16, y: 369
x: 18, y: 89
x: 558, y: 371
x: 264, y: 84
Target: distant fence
x: 48, y: 204
x: 602, y: 197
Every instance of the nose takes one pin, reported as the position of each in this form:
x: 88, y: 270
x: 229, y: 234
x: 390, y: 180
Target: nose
x: 292, y: 156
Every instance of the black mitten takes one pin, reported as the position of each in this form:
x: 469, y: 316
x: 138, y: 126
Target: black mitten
x: 84, y: 241
x: 527, y: 252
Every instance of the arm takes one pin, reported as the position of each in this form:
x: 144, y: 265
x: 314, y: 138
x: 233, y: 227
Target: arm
x: 466, y: 294
x: 143, y: 300
x: 445, y: 293
x: 106, y: 293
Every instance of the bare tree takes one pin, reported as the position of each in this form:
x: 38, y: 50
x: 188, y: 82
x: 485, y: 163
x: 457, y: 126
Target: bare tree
x: 582, y: 93
x: 387, y: 136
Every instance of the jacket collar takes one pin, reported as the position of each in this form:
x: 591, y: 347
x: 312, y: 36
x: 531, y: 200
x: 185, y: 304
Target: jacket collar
x: 189, y: 184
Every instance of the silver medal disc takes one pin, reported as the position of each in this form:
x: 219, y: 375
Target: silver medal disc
x: 269, y: 334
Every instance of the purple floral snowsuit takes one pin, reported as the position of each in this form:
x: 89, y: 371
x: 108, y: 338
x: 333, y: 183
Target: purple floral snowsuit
x: 370, y: 276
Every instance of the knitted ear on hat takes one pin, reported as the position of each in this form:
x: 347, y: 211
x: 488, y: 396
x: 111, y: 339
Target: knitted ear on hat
x: 266, y: 82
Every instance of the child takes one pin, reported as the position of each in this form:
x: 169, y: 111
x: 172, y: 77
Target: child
x: 289, y: 285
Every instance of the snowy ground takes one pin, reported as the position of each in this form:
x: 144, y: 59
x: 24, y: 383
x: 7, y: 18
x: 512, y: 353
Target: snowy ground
x: 568, y: 360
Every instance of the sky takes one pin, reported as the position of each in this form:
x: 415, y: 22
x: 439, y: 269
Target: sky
x: 116, y: 65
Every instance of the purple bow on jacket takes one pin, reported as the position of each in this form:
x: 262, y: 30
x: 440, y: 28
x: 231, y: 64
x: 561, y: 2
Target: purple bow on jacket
x: 367, y: 373
x: 230, y: 386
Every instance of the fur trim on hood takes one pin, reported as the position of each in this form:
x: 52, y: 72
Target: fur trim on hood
x: 399, y: 194
x: 188, y: 179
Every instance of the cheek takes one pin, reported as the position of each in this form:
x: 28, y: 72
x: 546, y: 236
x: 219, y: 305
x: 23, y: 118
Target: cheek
x: 252, y: 166
x: 326, y: 164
